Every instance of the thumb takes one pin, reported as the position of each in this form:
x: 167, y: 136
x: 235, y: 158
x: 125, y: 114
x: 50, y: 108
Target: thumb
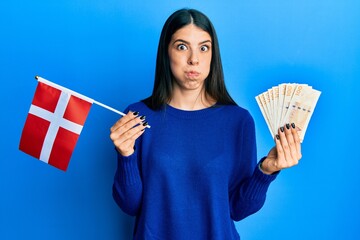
x: 272, y: 153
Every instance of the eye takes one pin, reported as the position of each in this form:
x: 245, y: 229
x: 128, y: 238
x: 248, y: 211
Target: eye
x: 181, y: 47
x: 204, y: 48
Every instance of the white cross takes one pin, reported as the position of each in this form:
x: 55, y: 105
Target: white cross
x: 56, y: 120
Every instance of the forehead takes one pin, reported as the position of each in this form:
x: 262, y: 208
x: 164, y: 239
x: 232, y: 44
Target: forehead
x: 191, y: 32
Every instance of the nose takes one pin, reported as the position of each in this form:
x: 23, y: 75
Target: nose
x: 193, y: 58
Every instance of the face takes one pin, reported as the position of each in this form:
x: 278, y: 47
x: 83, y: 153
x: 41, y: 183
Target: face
x: 190, y: 52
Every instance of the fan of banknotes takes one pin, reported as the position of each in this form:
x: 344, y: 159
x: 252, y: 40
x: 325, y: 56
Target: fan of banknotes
x: 288, y: 103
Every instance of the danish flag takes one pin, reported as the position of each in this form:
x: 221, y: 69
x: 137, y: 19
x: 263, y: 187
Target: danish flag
x: 54, y: 123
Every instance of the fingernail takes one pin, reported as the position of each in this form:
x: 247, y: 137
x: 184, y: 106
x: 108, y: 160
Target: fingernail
x: 136, y: 113
x: 293, y: 125
x: 282, y: 129
x: 145, y: 124
x: 142, y: 117
x: 277, y: 137
x: 287, y: 126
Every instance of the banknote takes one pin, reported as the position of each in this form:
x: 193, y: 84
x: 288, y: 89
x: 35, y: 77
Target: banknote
x: 288, y: 103
x: 282, y: 88
x: 275, y: 104
x: 262, y: 109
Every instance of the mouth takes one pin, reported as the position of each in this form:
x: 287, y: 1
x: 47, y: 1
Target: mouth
x: 192, y: 74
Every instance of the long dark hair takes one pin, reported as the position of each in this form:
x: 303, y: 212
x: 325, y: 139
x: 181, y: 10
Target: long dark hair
x: 163, y: 84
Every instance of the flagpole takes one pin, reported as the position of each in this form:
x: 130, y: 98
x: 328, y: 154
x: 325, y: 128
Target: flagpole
x: 40, y: 79
x: 109, y: 108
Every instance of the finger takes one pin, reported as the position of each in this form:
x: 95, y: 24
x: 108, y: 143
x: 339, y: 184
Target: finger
x: 297, y: 142
x: 127, y: 147
x: 128, y: 138
x: 126, y: 127
x: 128, y: 143
x: 138, y: 134
x: 293, y: 159
x: 128, y: 117
x: 129, y: 125
x: 280, y: 156
x: 284, y: 144
x: 129, y: 134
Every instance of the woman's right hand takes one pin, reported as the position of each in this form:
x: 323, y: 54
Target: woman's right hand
x: 125, y: 132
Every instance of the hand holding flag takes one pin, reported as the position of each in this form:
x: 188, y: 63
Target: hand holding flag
x: 54, y: 123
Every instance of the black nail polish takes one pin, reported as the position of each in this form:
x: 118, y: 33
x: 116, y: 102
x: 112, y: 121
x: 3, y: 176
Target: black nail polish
x: 277, y: 137
x: 136, y: 113
x: 145, y: 124
x: 282, y: 129
x: 287, y: 126
x: 293, y: 125
x: 142, y: 117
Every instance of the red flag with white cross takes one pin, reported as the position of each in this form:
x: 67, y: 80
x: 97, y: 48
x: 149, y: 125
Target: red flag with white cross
x: 54, y: 123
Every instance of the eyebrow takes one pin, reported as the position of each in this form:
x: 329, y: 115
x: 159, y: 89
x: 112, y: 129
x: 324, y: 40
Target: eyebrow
x: 181, y: 40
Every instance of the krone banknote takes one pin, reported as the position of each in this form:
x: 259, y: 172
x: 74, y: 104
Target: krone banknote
x: 288, y: 103
x: 301, y: 110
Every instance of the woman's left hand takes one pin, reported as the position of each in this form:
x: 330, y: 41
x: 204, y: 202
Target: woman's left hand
x: 286, y: 153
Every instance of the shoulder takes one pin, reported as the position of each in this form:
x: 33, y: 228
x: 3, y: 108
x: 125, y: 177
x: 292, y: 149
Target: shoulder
x: 237, y: 117
x: 137, y: 106
x: 140, y: 107
x: 237, y: 112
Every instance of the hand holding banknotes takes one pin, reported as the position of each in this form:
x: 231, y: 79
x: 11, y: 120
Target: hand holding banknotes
x: 287, y: 151
x: 287, y: 109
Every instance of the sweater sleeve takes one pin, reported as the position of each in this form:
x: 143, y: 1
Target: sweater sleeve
x: 127, y: 187
x: 248, y: 194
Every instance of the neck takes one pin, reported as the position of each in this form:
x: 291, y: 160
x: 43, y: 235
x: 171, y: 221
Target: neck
x: 191, y: 99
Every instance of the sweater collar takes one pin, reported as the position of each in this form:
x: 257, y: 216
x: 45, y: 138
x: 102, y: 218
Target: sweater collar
x: 192, y: 114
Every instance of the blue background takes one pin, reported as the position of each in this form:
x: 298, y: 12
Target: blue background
x: 106, y: 50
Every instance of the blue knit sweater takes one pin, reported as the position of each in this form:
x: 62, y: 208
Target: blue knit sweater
x: 192, y: 174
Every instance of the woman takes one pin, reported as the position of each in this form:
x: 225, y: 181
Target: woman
x: 195, y: 170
